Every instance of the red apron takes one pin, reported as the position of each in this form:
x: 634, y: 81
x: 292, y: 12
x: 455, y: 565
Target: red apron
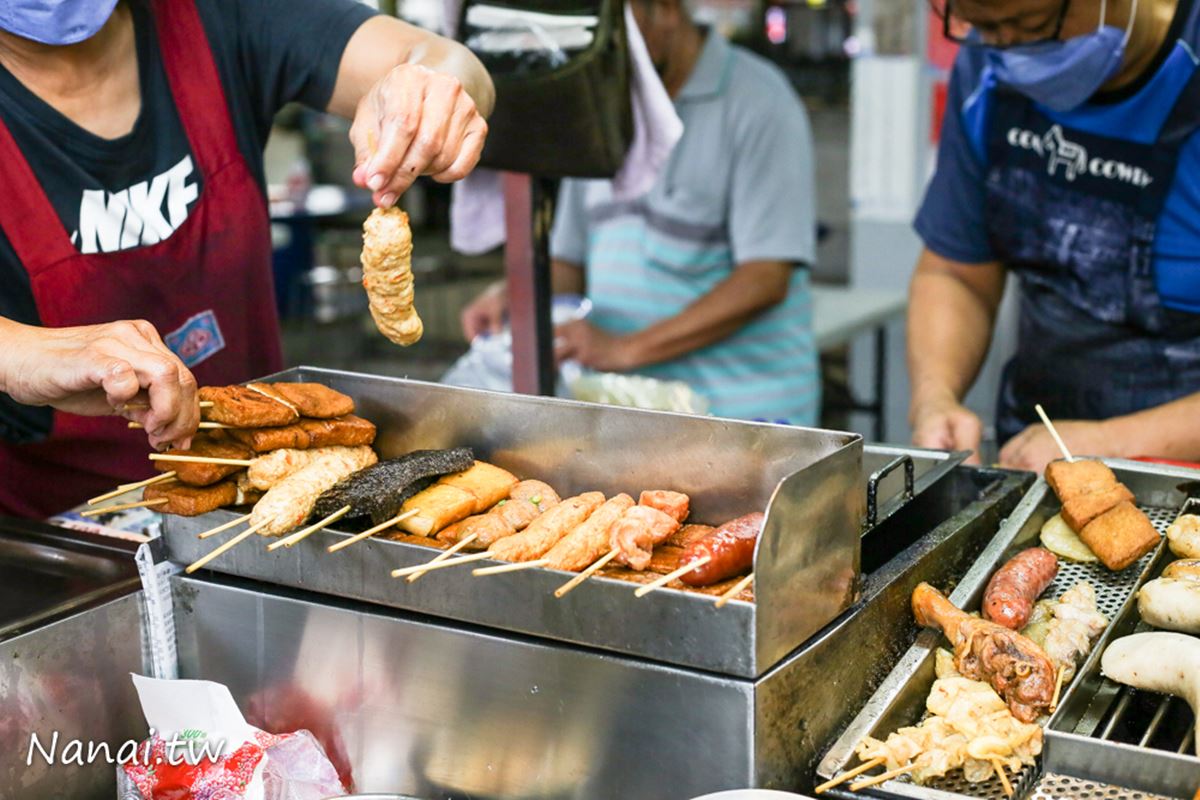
x: 217, y: 262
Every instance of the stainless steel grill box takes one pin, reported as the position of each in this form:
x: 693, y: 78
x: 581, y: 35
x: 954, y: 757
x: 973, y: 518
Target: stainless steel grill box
x: 1069, y: 760
x: 806, y: 566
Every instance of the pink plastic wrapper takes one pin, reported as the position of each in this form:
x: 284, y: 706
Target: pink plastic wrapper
x: 293, y: 767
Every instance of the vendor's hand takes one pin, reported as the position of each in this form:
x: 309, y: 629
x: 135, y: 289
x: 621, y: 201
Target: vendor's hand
x: 101, y: 369
x: 1034, y: 447
x: 485, y: 314
x: 946, y: 424
x: 414, y: 121
x: 581, y: 341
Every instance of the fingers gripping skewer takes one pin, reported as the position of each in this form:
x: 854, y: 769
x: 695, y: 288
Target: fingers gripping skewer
x: 430, y: 566
x: 125, y: 488
x: 882, y: 778
x: 246, y: 534
x: 232, y: 462
x: 1053, y: 432
x: 95, y: 512
x: 734, y: 590
x: 288, y: 541
x: 845, y: 776
x: 595, y: 567
x: 333, y: 548
x: 670, y: 576
x: 233, y: 523
x: 446, y: 555
x: 514, y: 567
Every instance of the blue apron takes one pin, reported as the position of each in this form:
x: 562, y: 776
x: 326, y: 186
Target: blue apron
x: 1074, y: 215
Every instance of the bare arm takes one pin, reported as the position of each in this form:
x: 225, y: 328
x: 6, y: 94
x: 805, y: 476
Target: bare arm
x: 418, y: 101
x: 751, y: 289
x: 1166, y: 431
x: 952, y: 308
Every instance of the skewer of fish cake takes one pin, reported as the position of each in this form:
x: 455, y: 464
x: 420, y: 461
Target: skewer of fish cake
x: 289, y: 502
x: 531, y: 543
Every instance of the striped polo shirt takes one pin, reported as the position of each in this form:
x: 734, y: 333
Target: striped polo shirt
x: 738, y: 188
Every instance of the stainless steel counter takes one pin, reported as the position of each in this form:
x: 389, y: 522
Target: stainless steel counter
x: 439, y: 709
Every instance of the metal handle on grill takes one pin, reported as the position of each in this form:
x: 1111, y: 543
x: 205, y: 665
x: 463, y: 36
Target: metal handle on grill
x: 875, y: 479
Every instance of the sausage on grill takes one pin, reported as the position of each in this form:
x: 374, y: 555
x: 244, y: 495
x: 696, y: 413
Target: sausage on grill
x: 1010, y: 594
x: 730, y: 549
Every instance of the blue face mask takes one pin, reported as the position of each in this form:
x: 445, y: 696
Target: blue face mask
x: 1063, y: 75
x: 51, y: 22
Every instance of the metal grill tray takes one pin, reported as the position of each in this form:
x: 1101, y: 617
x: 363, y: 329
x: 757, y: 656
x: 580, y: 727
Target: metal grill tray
x: 900, y: 699
x: 806, y: 565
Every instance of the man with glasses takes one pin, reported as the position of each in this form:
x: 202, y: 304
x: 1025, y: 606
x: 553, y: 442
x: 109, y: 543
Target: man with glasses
x: 1068, y: 157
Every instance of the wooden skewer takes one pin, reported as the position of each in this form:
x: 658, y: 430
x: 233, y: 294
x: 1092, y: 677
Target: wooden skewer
x: 288, y: 541
x: 137, y: 426
x: 1008, y: 790
x: 231, y: 462
x: 1053, y: 432
x: 516, y: 566
x: 95, y: 512
x: 435, y: 564
x: 853, y: 773
x: 670, y: 576
x: 246, y: 534
x: 125, y: 488
x: 734, y: 590
x: 882, y: 778
x: 1058, y: 683
x: 459, y: 545
x: 140, y: 406
x: 595, y: 567
x: 358, y: 537
x: 222, y: 528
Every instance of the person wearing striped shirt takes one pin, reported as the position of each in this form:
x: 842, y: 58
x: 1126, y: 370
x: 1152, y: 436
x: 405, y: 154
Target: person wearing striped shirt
x: 704, y: 279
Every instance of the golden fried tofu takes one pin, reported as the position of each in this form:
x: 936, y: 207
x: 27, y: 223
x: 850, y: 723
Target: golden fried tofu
x: 1120, y: 536
x: 1081, y: 509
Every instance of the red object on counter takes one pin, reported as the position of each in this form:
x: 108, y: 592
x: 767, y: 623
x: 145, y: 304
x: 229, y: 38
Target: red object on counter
x: 1168, y: 462
x: 214, y: 270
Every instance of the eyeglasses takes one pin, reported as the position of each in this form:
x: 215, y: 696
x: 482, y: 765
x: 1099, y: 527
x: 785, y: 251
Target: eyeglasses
x: 956, y: 29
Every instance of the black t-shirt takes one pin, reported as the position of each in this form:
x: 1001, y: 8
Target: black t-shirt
x: 118, y: 194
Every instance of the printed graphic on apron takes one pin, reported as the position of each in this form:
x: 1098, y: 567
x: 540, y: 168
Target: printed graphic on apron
x: 197, y: 339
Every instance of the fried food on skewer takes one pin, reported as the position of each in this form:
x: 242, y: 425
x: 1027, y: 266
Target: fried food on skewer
x: 290, y: 502
x: 589, y: 540
x: 311, y: 400
x: 246, y: 407
x: 192, y: 501
x: 638, y: 531
x: 380, y: 491
x: 487, y: 482
x: 545, y: 531
x: 1016, y: 667
x: 206, y: 446
x: 457, y: 496
x: 387, y: 275
x: 526, y: 502
x: 347, y: 431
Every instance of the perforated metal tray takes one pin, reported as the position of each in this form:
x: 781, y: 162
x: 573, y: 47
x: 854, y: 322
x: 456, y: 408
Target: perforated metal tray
x: 900, y: 700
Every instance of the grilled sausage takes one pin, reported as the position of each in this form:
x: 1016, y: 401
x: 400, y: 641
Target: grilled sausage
x: 1010, y: 594
x: 730, y: 549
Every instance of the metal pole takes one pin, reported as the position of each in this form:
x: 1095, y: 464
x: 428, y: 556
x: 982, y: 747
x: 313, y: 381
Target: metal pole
x: 527, y: 264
